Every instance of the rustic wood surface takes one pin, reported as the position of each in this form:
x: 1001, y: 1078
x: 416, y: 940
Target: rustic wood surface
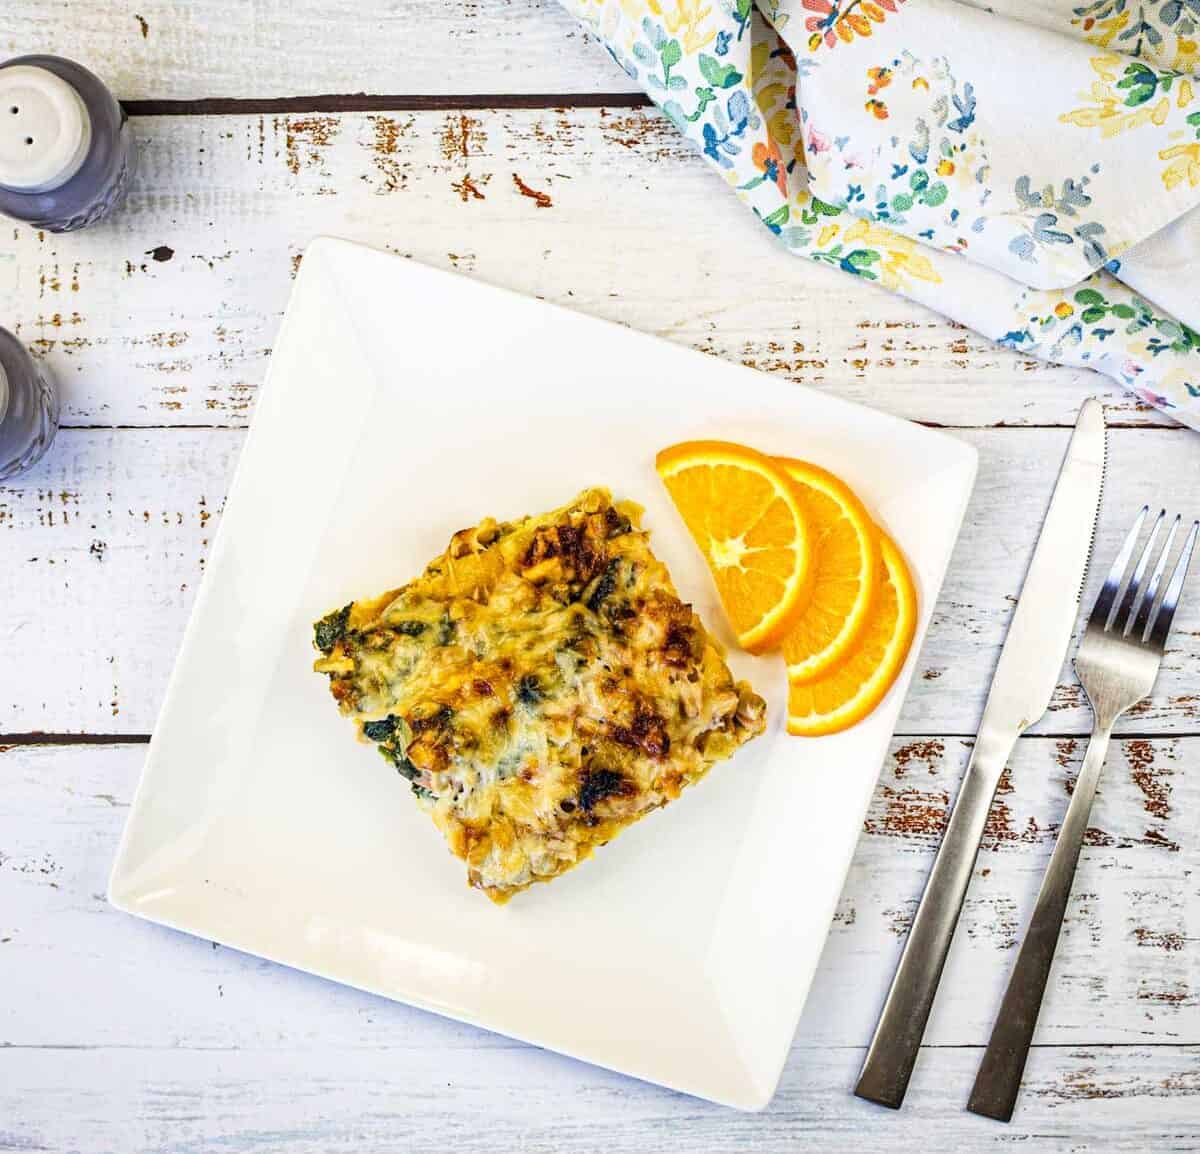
x: 181, y: 50
x: 493, y: 137
x: 152, y: 320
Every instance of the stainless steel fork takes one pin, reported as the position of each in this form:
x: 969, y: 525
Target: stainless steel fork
x: 1117, y: 662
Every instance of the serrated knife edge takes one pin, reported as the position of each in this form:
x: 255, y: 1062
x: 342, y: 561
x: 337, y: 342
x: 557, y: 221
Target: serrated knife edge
x: 1044, y: 620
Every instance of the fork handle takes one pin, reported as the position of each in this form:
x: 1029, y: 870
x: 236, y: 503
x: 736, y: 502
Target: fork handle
x: 999, y: 1079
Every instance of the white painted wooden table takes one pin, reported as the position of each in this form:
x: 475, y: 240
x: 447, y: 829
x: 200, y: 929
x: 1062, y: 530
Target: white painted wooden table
x: 516, y: 152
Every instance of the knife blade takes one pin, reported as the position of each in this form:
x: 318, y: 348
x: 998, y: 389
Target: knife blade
x: 1026, y: 675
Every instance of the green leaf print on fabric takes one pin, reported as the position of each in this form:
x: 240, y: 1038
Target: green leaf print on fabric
x: 1143, y: 83
x: 717, y: 74
x: 1135, y: 315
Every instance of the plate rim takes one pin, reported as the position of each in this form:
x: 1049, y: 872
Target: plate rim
x: 327, y: 252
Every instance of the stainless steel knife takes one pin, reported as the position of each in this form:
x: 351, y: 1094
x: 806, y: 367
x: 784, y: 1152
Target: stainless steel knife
x: 1026, y: 674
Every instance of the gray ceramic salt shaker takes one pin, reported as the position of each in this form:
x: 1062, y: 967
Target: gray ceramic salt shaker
x: 66, y: 149
x: 28, y: 408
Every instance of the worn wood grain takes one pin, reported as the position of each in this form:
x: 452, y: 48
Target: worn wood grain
x: 121, y: 524
x: 174, y: 49
x: 103, y: 545
x: 118, y: 1035
x: 321, y: 1100
x: 1128, y: 969
x: 166, y: 315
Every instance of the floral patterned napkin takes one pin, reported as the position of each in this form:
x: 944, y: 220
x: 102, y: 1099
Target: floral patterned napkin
x: 1030, y: 169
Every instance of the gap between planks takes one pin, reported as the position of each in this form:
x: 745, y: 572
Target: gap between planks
x: 11, y: 740
x: 949, y: 428
x: 505, y: 1043
x: 362, y: 102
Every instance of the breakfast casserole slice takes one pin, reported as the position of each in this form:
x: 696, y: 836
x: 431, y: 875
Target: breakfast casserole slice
x: 541, y: 685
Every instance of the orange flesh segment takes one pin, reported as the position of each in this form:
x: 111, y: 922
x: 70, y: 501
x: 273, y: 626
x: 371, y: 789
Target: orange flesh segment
x: 746, y: 518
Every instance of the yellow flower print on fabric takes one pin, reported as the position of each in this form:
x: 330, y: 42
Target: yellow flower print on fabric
x: 1103, y: 32
x: 1156, y: 34
x: 689, y: 21
x: 1128, y: 95
x: 772, y: 10
x: 1108, y: 108
x: 636, y: 9
x: 773, y: 77
x: 1184, y: 165
x: 632, y: 9
x: 901, y: 259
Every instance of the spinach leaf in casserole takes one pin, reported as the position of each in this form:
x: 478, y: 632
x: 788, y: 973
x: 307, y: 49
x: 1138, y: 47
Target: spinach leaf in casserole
x: 541, y: 686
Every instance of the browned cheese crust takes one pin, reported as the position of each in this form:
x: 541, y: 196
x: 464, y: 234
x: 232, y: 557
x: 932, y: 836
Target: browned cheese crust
x: 541, y: 686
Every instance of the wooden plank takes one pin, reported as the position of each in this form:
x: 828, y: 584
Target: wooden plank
x: 167, y: 314
x: 111, y: 523
x: 103, y: 545
x: 172, y: 49
x: 1126, y: 971
x: 325, y: 1101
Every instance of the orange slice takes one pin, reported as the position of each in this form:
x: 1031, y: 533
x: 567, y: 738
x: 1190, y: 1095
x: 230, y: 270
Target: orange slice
x: 850, y: 690
x: 846, y: 547
x: 746, y: 516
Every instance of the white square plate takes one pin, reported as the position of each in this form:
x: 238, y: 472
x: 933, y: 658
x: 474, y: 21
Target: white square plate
x: 401, y: 404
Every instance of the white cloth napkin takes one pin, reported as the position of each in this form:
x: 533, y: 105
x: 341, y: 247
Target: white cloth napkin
x: 1031, y: 169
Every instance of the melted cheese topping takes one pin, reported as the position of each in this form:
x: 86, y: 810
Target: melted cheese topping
x: 541, y: 685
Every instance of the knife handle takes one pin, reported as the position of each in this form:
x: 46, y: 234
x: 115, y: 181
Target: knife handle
x: 893, y: 1051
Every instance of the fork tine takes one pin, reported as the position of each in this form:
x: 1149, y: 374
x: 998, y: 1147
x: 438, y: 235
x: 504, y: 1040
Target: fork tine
x: 1132, y: 601
x: 1160, y: 623
x: 1141, y: 626
x: 1103, y: 608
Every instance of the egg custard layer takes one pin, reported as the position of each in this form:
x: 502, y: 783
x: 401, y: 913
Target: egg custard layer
x: 541, y: 685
